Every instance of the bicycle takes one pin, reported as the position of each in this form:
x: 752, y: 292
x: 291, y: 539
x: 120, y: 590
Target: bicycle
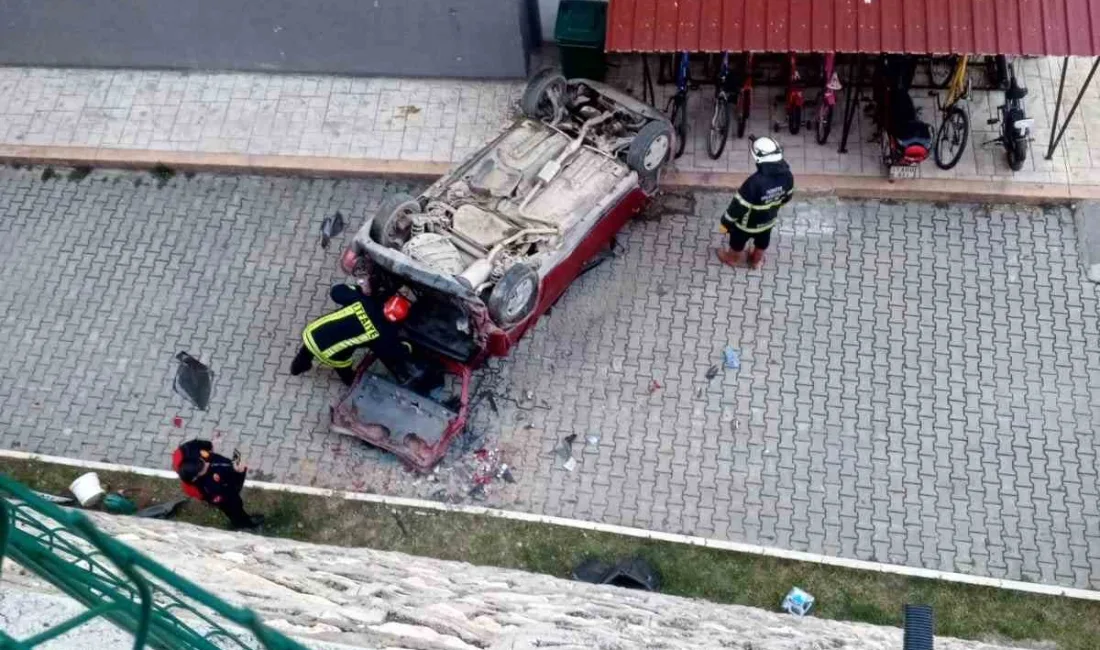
x: 1016, y: 126
x: 677, y: 104
x: 744, y: 97
x: 795, y: 96
x: 941, y: 69
x: 723, y: 111
x: 826, y: 100
x: 953, y: 134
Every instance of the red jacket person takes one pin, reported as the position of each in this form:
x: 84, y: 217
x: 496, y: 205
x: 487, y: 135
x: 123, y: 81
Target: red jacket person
x: 215, y: 479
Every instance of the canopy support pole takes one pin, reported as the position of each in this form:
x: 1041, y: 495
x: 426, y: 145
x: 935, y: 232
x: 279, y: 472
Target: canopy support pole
x: 648, y: 96
x: 1056, y: 139
x: 851, y: 103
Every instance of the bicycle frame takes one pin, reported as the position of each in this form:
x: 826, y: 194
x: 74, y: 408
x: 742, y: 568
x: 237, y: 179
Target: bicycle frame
x: 958, y: 88
x: 826, y: 100
x: 718, y: 132
x: 953, y: 130
x: 795, y: 93
x: 721, y: 87
x: 832, y: 81
x: 677, y: 104
x: 683, y: 73
x: 744, y: 97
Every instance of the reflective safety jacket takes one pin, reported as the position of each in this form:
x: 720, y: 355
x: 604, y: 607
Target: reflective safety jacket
x: 333, y: 337
x: 755, y: 207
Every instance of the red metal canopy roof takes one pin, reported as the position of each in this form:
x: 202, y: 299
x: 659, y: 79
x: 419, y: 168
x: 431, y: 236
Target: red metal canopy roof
x: 1040, y: 27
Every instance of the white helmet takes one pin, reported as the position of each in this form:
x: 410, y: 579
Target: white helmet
x: 766, y: 150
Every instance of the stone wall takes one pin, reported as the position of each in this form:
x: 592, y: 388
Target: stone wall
x: 373, y: 599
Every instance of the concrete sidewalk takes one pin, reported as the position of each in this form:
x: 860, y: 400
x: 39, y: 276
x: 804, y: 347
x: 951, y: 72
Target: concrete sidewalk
x: 898, y: 402
x: 418, y: 127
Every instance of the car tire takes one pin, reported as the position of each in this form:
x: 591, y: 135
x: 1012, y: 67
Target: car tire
x: 536, y: 102
x: 389, y: 227
x: 650, y: 149
x: 514, y: 296
x: 794, y: 120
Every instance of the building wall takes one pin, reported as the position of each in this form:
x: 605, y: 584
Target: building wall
x: 457, y: 38
x: 548, y: 14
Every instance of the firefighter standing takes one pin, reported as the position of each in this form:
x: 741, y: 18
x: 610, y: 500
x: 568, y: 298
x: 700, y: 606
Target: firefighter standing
x: 755, y: 208
x: 215, y: 479
x: 333, y: 338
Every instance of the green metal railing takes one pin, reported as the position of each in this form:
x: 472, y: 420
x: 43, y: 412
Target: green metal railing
x: 116, y: 583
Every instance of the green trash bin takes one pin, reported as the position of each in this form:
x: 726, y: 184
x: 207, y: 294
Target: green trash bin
x: 580, y: 31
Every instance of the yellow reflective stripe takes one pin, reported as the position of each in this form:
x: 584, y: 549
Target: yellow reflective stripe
x: 365, y: 320
x: 370, y: 332
x: 350, y: 343
x: 311, y: 345
x: 332, y: 363
x: 757, y: 229
x: 339, y: 314
x: 766, y: 206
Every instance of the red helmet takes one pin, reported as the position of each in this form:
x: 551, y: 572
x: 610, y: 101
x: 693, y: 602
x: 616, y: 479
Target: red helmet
x: 396, y: 309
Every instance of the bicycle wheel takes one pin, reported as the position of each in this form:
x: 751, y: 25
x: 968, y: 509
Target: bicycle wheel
x: 1017, y: 154
x: 824, y: 122
x: 678, y: 117
x: 794, y: 119
x: 744, y: 105
x: 940, y: 69
x: 719, y: 127
x: 952, y: 138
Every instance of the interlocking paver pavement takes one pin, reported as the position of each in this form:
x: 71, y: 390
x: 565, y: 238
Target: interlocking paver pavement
x: 918, y: 383
x: 444, y: 120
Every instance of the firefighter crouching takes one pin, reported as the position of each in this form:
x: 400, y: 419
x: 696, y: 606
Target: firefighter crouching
x: 332, y: 339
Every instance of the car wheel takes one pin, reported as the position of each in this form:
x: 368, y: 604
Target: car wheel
x: 544, y: 94
x: 391, y: 224
x: 514, y: 296
x: 650, y: 148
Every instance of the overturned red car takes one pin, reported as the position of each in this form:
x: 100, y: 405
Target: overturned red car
x: 471, y: 263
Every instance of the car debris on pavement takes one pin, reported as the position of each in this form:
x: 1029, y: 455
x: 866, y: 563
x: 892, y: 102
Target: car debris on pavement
x: 331, y: 227
x: 194, y: 380
x: 797, y: 602
x: 629, y: 573
x: 731, y: 358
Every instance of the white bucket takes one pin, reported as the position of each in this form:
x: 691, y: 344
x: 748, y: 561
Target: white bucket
x: 87, y: 489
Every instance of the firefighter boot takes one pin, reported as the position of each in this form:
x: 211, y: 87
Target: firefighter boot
x: 731, y: 257
x: 756, y: 258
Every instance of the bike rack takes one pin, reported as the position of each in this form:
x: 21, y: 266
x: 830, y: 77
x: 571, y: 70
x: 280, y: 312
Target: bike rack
x: 1056, y: 133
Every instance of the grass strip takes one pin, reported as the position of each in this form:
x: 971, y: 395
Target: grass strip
x: 964, y: 611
